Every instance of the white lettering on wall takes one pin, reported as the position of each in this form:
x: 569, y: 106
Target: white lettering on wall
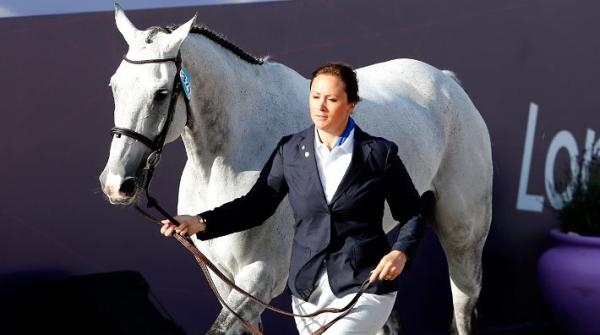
x: 563, y: 139
x: 589, y: 148
x: 529, y: 202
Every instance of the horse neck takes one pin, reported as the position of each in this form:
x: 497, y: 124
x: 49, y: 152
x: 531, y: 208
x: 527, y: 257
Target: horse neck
x: 237, y: 109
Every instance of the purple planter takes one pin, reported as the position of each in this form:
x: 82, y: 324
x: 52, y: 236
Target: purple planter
x: 569, y: 280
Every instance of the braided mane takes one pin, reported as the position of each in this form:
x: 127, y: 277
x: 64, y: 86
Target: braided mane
x: 222, y: 41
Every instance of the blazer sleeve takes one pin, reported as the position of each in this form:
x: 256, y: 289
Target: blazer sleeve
x: 404, y: 202
x: 253, y: 208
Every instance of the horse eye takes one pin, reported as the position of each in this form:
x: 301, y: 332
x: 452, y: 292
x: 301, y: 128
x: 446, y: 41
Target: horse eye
x: 161, y: 94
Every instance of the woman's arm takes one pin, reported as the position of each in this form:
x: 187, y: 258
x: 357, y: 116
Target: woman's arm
x: 242, y: 213
x: 405, y: 204
x: 406, y: 207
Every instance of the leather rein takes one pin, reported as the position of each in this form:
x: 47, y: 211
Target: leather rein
x: 205, y: 264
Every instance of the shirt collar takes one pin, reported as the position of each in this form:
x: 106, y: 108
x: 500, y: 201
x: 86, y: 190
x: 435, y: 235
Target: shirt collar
x: 345, y: 142
x: 346, y: 133
x: 348, y: 144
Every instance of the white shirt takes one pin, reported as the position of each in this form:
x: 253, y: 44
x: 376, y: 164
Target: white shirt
x: 332, y: 165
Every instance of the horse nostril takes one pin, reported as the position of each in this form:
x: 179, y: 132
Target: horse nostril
x: 128, y: 187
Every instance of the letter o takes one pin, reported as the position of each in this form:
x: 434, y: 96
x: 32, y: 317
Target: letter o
x: 562, y: 139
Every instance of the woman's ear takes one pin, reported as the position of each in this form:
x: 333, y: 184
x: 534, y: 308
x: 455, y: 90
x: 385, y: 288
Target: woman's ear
x: 352, y: 106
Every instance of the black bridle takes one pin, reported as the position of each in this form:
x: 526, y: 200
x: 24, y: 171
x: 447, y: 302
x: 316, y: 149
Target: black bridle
x: 157, y: 144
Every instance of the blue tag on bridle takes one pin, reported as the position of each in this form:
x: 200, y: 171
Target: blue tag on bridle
x: 186, y: 82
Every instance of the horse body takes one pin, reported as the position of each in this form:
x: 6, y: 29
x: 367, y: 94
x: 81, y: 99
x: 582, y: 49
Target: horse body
x: 240, y: 110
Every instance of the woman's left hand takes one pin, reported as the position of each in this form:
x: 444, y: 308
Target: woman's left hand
x: 390, y: 266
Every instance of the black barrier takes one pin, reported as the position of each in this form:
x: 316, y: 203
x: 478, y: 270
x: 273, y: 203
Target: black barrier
x: 119, y: 302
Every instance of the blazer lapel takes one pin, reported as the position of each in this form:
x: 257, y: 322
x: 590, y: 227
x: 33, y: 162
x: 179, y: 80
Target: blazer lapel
x: 360, y: 153
x: 306, y: 149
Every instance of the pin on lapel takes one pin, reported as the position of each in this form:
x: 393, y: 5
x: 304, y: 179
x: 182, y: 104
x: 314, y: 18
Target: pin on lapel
x: 306, y: 153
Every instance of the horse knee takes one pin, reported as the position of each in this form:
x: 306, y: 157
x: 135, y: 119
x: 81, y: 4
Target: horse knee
x: 258, y: 277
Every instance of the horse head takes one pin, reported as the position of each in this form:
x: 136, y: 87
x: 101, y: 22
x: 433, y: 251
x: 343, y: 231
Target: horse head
x: 147, y: 114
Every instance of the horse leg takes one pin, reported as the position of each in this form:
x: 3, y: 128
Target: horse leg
x: 462, y: 221
x: 256, y: 279
x: 392, y: 325
x: 223, y: 290
x: 465, y: 281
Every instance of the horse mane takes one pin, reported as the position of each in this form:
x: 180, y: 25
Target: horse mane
x: 222, y: 41
x: 153, y: 31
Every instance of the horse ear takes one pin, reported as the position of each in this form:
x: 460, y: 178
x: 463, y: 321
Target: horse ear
x: 179, y: 34
x: 127, y: 29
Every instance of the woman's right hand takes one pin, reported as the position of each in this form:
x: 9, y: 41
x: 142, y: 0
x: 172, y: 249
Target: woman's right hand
x: 188, y: 225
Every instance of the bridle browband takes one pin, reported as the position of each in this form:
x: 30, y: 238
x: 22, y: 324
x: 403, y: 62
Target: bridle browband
x: 205, y: 264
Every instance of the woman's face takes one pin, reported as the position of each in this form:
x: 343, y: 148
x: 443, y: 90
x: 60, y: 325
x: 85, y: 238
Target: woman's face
x: 329, y: 106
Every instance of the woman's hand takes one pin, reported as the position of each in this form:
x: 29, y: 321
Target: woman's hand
x: 188, y: 225
x: 390, y: 266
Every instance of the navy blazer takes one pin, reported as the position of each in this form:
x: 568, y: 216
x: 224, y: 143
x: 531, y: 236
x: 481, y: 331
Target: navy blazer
x: 347, y: 232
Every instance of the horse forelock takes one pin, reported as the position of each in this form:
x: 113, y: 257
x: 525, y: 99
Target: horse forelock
x: 153, y: 31
x: 222, y: 41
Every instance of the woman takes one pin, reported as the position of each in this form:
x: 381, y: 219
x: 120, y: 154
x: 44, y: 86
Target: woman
x: 337, y: 178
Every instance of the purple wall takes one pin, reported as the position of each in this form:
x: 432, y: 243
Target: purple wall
x: 57, y: 111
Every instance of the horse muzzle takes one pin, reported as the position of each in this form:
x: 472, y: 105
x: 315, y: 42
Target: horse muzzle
x: 120, y: 191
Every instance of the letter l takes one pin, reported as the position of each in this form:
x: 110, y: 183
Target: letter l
x: 529, y: 202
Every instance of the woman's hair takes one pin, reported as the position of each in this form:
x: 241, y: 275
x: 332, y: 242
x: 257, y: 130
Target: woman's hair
x: 346, y: 74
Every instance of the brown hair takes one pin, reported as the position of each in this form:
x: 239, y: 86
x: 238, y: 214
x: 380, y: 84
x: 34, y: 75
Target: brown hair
x: 346, y: 74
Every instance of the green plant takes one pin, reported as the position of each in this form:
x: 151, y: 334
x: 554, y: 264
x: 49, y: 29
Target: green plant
x: 581, y: 211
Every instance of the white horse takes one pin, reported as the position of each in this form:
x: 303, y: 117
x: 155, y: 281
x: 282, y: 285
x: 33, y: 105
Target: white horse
x: 240, y: 107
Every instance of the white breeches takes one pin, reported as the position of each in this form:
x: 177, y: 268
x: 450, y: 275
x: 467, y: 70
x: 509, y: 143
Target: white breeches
x: 366, y: 318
